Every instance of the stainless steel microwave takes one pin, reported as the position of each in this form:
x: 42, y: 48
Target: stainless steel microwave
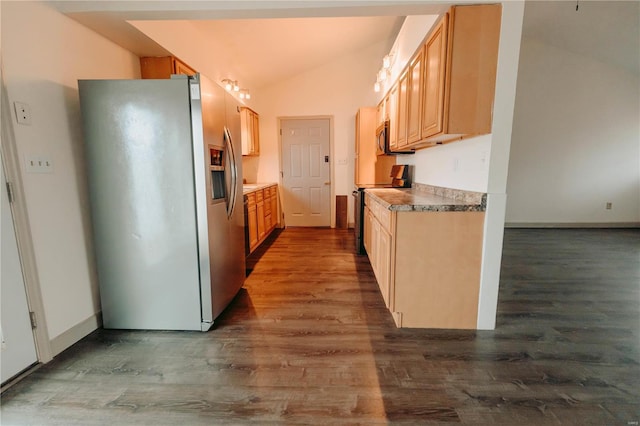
x: 382, y: 141
x: 382, y: 138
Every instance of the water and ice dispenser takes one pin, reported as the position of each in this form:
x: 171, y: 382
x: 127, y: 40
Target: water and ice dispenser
x: 216, y: 166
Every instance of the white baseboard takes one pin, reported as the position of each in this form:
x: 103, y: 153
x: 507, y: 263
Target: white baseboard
x: 75, y: 333
x: 572, y: 225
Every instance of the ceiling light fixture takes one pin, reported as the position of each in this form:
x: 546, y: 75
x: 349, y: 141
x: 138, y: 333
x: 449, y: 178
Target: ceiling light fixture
x: 228, y: 84
x: 233, y: 86
x: 386, y: 61
x: 384, y: 72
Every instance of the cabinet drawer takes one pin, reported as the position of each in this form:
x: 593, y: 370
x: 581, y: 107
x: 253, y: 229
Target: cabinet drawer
x: 380, y: 212
x: 251, y: 198
x: 259, y: 195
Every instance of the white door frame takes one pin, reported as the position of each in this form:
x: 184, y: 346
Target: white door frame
x: 332, y: 211
x: 11, y: 162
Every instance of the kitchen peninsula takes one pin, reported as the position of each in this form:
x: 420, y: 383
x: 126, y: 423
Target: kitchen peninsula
x: 425, y: 247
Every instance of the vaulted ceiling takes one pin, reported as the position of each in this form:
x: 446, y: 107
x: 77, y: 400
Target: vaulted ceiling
x: 287, y: 38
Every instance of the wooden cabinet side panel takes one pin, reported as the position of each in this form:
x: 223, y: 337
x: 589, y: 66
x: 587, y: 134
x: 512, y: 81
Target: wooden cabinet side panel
x: 473, y: 59
x: 437, y: 272
x: 366, y: 145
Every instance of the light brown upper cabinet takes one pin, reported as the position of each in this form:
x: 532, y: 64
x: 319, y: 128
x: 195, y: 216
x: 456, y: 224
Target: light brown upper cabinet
x: 414, y: 98
x: 446, y: 92
x: 392, y: 111
x: 163, y: 66
x: 470, y: 73
x: 250, y: 131
x: 435, y: 53
x: 403, y: 85
x: 380, y: 114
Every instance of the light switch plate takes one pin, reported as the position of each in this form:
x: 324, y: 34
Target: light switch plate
x: 38, y: 164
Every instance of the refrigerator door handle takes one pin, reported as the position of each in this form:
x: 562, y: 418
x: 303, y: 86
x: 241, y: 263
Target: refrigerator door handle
x: 234, y: 173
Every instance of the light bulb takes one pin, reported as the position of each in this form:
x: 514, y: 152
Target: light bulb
x: 227, y: 85
x: 247, y: 96
x: 382, y: 75
x: 376, y: 87
x: 386, y: 62
x: 242, y: 96
x: 236, y: 88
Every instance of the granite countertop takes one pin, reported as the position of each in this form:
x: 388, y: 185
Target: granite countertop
x: 251, y: 187
x: 429, y: 198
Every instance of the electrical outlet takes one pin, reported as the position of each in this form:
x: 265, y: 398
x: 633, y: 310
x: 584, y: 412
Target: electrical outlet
x: 39, y: 165
x: 608, y: 206
x: 23, y: 113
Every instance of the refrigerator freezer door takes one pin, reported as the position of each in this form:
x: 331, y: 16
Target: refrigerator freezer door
x: 225, y: 223
x: 141, y: 184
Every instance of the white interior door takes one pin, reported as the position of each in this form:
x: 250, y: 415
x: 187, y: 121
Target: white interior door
x: 18, y: 350
x: 306, y: 172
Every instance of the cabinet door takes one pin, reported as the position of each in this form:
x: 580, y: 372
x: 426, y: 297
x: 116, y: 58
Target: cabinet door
x: 435, y: 53
x: 414, y: 99
x: 367, y: 230
x: 384, y: 264
x: 260, y: 213
x: 253, y: 226
x: 387, y: 107
x: 373, y: 243
x: 393, y: 117
x: 267, y: 222
x: 246, y: 131
x: 380, y: 114
x: 274, y: 207
x: 403, y: 85
x: 180, y: 67
x: 255, y: 133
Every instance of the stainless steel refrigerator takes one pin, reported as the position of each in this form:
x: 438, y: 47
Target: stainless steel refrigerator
x: 165, y: 184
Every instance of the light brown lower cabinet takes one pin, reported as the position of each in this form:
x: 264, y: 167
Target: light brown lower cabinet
x: 252, y: 229
x: 427, y: 264
x: 262, y: 215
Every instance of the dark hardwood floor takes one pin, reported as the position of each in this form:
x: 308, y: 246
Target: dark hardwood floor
x: 308, y: 341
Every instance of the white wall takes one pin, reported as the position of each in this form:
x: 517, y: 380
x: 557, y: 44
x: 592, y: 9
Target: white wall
x: 43, y: 55
x: 576, y: 140
x: 335, y: 89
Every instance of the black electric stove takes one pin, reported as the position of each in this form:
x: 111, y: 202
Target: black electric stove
x: 400, y: 178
